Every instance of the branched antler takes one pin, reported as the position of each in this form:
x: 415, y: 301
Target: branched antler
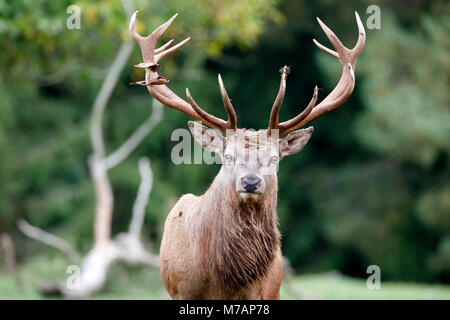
x: 337, y: 97
x: 156, y: 84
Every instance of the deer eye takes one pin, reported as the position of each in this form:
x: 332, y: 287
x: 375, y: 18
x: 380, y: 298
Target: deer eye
x: 274, y: 159
x: 228, y: 157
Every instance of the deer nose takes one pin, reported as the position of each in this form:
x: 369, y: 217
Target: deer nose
x: 251, y: 183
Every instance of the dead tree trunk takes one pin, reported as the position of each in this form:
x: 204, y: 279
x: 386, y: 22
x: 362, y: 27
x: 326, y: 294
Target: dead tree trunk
x: 126, y: 247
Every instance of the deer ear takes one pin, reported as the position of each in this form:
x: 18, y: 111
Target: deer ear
x: 294, y: 141
x: 208, y: 138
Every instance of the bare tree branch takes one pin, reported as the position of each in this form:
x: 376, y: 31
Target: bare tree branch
x: 104, y: 201
x: 128, y: 7
x: 47, y: 238
x: 135, y: 139
x: 126, y: 247
x: 141, y: 201
x: 102, y: 185
x: 103, y: 96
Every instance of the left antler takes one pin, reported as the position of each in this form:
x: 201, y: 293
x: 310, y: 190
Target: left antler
x: 337, y: 97
x: 156, y: 84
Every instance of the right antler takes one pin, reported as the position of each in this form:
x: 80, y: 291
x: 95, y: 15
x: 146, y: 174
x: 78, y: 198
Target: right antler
x: 156, y: 84
x: 337, y: 97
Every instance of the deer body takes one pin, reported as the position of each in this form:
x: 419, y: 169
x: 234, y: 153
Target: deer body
x: 205, y: 251
x: 225, y: 244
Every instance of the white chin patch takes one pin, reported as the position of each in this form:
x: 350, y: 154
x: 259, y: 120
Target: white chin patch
x: 248, y: 196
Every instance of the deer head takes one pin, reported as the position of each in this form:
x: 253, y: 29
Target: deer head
x: 250, y: 158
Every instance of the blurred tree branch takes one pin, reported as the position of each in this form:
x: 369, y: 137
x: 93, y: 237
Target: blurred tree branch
x: 126, y: 247
x: 47, y: 238
x: 9, y: 252
x: 135, y: 139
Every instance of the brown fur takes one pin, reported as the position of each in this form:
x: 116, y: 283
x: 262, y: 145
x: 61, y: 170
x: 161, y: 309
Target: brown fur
x: 239, y: 240
x: 224, y: 248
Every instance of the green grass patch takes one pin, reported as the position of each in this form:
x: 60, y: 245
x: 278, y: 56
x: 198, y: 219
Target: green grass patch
x: 333, y: 286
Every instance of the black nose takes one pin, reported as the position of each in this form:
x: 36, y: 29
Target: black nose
x: 251, y: 183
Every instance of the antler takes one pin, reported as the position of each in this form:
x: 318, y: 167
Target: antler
x: 156, y: 84
x: 337, y: 97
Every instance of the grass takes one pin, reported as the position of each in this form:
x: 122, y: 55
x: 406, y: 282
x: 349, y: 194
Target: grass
x: 333, y: 286
x: 145, y: 283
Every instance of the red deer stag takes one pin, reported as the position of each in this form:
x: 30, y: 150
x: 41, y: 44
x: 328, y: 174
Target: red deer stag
x: 225, y: 244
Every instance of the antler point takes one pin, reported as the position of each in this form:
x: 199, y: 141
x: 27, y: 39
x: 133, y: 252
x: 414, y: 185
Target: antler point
x: 173, y: 17
x: 322, y: 24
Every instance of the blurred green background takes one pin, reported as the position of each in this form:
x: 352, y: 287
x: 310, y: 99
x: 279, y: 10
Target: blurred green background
x: 371, y: 187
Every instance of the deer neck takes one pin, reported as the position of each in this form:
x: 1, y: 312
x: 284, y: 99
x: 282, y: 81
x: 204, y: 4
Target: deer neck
x: 237, y: 241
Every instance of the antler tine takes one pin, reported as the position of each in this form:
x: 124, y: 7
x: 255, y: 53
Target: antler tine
x: 346, y: 83
x: 329, y: 51
x: 219, y: 123
x: 284, y: 127
x: 162, y: 54
x: 148, y: 44
x: 343, y: 53
x: 132, y: 28
x: 337, y: 44
x: 164, y: 46
x: 361, y: 37
x: 273, y: 121
x: 232, y: 118
x: 158, y: 32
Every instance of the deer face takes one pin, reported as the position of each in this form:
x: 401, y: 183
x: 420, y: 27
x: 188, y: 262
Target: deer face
x: 250, y: 158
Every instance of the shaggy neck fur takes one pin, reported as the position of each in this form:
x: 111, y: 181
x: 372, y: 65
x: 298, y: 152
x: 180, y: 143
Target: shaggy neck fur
x: 236, y: 241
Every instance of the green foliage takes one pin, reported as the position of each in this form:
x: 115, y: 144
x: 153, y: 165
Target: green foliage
x: 37, y: 45
x: 400, y: 120
x: 368, y: 213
